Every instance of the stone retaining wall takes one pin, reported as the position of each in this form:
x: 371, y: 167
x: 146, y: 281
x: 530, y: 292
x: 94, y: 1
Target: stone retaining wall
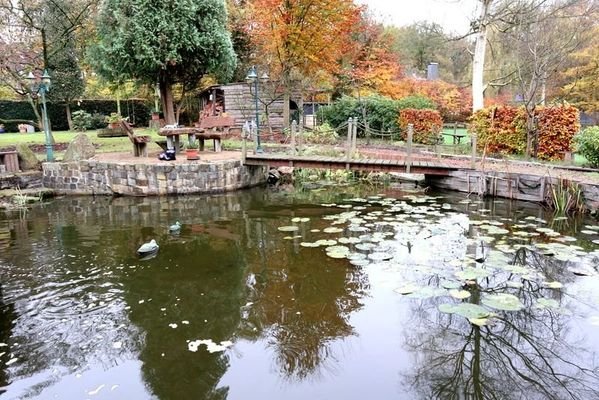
x: 95, y: 177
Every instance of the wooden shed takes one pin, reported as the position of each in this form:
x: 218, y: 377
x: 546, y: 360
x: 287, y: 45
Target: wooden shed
x: 238, y: 101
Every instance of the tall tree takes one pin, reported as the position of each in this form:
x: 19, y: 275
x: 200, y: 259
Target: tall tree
x: 581, y: 78
x: 300, y: 37
x: 165, y: 41
x: 35, y: 32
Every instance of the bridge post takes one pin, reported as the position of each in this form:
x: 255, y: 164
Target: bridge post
x: 409, y: 147
x: 350, y: 130
x: 300, y: 137
x: 293, y: 131
x: 354, y: 138
x: 473, y: 156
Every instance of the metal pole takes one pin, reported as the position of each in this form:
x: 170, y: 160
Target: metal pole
x: 258, y: 147
x: 49, y: 147
x: 354, y: 138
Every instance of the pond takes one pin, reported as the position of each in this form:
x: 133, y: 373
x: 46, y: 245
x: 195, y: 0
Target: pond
x: 343, y: 293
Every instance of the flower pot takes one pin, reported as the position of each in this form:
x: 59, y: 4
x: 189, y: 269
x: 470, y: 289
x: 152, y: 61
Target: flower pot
x: 114, y: 125
x: 192, y: 154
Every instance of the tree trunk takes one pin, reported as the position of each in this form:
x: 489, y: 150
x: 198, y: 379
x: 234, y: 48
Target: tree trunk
x: 166, y: 98
x: 69, y: 115
x: 478, y: 61
x: 286, y: 100
x: 531, y: 132
x: 38, y: 116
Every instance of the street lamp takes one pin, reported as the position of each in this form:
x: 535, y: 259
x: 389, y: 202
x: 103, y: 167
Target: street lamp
x: 42, y: 88
x: 252, y: 78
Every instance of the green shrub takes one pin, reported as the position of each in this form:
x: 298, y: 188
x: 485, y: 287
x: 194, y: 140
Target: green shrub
x: 381, y: 112
x: 587, y: 144
x: 82, y: 120
x: 323, y: 134
x: 416, y: 102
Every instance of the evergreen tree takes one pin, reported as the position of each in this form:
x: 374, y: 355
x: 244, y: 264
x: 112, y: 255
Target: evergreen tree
x: 164, y: 42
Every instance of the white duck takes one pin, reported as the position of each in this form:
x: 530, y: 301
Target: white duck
x: 176, y: 227
x: 147, y: 248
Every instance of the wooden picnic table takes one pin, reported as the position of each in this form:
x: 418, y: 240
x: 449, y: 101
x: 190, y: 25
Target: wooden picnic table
x: 172, y: 136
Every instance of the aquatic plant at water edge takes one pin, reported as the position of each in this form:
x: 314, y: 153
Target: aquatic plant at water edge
x: 566, y: 197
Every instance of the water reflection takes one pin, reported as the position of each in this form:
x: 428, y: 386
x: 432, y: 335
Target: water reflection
x: 535, y: 353
x: 84, y: 316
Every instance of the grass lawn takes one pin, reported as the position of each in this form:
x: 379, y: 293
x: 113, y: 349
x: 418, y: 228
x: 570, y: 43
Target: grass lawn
x: 104, y: 145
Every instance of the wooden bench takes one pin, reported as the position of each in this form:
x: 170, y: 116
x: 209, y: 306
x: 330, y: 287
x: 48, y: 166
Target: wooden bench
x: 215, y: 128
x: 10, y: 160
x: 140, y: 143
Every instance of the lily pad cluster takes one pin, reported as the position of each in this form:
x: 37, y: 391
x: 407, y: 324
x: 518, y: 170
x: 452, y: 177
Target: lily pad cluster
x: 439, y: 251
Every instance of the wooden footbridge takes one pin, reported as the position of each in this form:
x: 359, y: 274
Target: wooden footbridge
x: 427, y: 167
x: 401, y: 161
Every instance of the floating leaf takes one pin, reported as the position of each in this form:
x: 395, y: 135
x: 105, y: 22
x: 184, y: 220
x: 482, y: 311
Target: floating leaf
x: 325, y: 242
x: 472, y: 273
x: 466, y: 310
x: 406, y: 289
x: 451, y: 285
x: 478, y: 321
x: 298, y: 219
x: 290, y: 228
x: 359, y: 262
x: 380, y: 256
x: 459, y: 294
x: 309, y: 244
x: 332, y: 229
x: 503, y: 301
x: 292, y: 237
x: 553, y: 285
x: 546, y: 303
x: 350, y: 240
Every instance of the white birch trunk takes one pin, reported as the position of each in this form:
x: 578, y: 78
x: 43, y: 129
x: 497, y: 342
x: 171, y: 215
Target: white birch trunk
x: 478, y: 61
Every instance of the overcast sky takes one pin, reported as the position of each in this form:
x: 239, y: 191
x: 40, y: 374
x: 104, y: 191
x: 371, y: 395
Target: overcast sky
x: 453, y: 15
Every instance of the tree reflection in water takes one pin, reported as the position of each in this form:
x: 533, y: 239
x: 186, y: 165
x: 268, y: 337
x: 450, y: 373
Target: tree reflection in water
x: 531, y: 354
x: 300, y: 304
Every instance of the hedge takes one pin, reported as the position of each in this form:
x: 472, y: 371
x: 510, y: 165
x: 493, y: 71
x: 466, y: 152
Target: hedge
x: 503, y: 130
x: 587, y: 144
x: 381, y: 112
x: 137, y: 111
x: 427, y: 124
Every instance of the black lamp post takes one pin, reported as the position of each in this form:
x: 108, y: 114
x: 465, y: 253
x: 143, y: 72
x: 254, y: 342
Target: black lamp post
x: 42, y: 87
x: 252, y: 78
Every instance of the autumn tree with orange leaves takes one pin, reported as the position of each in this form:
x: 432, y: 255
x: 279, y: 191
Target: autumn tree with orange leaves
x: 301, y: 38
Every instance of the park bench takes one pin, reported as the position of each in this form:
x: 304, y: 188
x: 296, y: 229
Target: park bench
x: 215, y: 128
x: 10, y: 161
x: 140, y: 143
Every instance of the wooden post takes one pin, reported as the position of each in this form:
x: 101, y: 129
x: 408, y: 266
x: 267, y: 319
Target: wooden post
x: 367, y: 127
x: 473, y: 156
x: 300, y: 139
x: 354, y: 139
x: 293, y: 131
x: 409, y: 147
x: 350, y: 130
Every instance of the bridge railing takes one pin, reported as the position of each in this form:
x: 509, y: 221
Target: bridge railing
x: 296, y: 140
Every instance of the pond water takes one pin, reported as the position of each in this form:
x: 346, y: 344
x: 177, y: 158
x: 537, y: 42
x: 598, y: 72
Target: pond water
x: 345, y: 293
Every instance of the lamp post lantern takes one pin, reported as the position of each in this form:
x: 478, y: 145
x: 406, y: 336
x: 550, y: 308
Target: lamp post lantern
x: 252, y: 79
x: 42, y: 88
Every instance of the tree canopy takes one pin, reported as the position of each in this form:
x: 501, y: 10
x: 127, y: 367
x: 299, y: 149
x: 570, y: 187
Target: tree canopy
x: 164, y: 42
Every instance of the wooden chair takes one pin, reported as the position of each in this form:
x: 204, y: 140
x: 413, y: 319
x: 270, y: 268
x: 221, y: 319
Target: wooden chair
x: 140, y: 143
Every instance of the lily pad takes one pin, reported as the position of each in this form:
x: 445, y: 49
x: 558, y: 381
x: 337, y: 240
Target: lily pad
x: 503, y: 301
x: 298, y: 219
x: 407, y: 289
x: 459, y: 294
x: 546, y: 303
x: 472, y: 273
x: 553, y: 285
x: 332, y: 229
x: 290, y: 228
x: 466, y: 310
x: 380, y: 256
x: 359, y: 262
x: 309, y: 244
